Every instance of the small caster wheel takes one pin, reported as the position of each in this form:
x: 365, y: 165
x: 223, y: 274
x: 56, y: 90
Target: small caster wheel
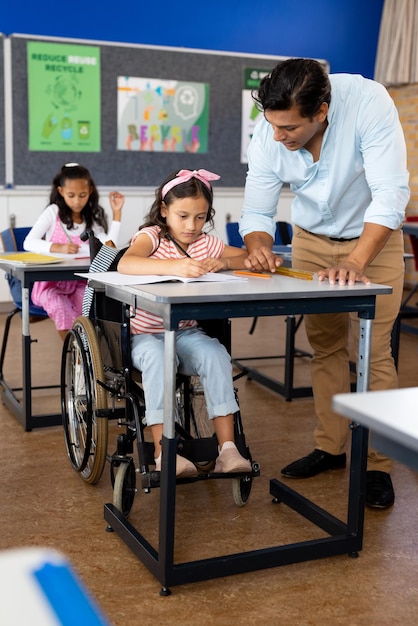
x: 165, y: 591
x: 125, y: 487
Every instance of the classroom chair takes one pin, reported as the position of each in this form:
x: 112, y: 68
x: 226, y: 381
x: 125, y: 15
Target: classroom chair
x: 283, y: 237
x: 406, y: 311
x: 414, y: 246
x: 12, y: 240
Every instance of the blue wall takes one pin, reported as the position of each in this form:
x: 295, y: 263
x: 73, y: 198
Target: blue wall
x: 344, y: 32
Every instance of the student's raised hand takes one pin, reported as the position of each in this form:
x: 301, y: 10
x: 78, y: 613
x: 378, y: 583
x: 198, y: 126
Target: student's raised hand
x: 117, y: 201
x: 189, y: 268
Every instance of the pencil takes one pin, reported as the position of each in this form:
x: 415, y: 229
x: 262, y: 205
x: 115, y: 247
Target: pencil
x: 65, y: 233
x: 301, y: 274
x: 176, y: 243
x: 252, y: 274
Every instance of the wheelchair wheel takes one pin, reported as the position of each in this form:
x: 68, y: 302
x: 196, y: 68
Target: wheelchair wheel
x: 241, y: 489
x: 81, y: 398
x: 124, y: 488
x: 191, y: 409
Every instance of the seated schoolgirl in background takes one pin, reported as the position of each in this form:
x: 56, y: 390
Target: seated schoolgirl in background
x: 172, y: 242
x: 73, y: 207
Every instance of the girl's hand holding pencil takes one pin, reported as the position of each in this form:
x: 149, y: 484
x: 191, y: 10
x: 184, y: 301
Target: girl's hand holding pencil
x: 64, y: 248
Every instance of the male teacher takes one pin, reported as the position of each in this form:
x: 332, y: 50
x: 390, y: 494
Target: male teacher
x: 337, y: 141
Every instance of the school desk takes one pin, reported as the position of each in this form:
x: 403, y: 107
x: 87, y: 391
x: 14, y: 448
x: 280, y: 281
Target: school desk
x: 391, y: 415
x: 22, y: 408
x: 279, y: 295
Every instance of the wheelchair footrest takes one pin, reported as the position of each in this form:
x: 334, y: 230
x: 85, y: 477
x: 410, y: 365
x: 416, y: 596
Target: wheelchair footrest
x: 151, y: 480
x: 111, y: 413
x: 198, y: 450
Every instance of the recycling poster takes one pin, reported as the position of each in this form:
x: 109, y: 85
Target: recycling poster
x: 162, y: 115
x: 64, y: 98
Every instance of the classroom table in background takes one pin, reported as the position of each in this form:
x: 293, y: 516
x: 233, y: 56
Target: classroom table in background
x: 247, y: 364
x: 285, y: 252
x: 38, y: 586
x: 278, y: 296
x: 410, y: 228
x: 392, y: 417
x: 22, y: 408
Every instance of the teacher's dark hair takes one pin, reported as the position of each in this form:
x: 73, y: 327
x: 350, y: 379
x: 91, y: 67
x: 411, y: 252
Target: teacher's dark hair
x: 300, y: 82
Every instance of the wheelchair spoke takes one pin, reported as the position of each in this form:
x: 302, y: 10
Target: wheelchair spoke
x: 81, y: 397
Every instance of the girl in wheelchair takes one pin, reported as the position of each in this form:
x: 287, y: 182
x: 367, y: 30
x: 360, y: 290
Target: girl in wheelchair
x: 172, y: 242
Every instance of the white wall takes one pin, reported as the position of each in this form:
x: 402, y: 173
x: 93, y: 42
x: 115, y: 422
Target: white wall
x: 25, y: 204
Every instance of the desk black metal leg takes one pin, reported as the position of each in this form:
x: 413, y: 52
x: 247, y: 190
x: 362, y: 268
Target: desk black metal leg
x: 168, y: 468
x: 395, y: 339
x: 358, y: 464
x: 357, y: 485
x: 167, y: 513
x: 27, y: 383
x: 26, y: 361
x: 289, y: 356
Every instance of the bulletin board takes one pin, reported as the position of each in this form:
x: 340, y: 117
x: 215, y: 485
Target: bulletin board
x: 2, y: 117
x: 223, y: 72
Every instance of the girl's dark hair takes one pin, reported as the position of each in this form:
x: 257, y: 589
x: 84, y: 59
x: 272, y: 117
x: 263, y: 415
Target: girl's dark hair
x: 300, y: 82
x: 193, y: 188
x: 92, y: 212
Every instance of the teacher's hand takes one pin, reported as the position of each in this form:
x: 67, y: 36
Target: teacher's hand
x: 345, y: 274
x: 263, y: 258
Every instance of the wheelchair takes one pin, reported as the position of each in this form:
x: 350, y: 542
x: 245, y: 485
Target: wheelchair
x: 99, y: 383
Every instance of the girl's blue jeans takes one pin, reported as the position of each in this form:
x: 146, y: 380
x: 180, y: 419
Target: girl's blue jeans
x: 197, y: 355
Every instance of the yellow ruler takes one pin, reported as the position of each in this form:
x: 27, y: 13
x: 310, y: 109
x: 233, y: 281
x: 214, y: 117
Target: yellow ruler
x: 302, y: 274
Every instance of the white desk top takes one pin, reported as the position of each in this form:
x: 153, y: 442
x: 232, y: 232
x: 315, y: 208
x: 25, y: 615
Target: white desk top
x: 53, y: 594
x: 277, y: 287
x: 67, y: 261
x: 392, y: 413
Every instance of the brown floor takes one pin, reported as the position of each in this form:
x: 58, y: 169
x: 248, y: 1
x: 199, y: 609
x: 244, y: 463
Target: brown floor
x: 45, y: 503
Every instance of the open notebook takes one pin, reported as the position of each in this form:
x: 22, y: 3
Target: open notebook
x: 115, y: 278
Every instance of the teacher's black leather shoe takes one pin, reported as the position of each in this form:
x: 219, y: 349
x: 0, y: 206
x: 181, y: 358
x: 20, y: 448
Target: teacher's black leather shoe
x: 314, y: 463
x: 379, y: 490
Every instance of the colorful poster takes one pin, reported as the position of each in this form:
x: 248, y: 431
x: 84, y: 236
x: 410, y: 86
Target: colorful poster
x: 250, y: 112
x: 156, y: 115
x: 64, y: 97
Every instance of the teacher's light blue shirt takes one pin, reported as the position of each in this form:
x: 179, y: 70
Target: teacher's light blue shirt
x: 361, y: 174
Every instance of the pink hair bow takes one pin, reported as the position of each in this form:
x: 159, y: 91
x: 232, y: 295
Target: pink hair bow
x: 184, y: 175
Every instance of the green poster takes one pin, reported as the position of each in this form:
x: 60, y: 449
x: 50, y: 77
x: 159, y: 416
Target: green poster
x: 250, y: 113
x: 63, y: 97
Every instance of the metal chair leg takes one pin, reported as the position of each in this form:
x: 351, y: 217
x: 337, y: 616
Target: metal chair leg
x: 5, y: 338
